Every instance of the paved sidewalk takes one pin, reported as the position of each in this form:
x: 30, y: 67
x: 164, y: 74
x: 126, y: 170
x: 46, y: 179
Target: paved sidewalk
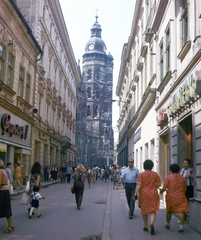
x: 118, y: 226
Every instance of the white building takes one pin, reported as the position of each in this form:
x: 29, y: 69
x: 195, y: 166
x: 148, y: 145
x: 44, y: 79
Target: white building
x: 160, y: 83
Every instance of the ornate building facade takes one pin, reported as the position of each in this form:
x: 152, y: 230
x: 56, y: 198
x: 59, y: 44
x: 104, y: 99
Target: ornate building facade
x: 19, y: 53
x: 56, y: 79
x: 94, y: 134
x: 160, y: 81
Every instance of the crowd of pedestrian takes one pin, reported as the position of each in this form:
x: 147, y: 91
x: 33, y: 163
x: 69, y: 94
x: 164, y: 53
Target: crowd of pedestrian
x: 144, y: 186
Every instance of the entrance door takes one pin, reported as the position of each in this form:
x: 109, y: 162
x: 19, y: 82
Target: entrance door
x: 164, y: 156
x: 185, y: 140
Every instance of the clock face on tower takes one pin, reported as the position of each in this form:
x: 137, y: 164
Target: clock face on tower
x: 91, y: 47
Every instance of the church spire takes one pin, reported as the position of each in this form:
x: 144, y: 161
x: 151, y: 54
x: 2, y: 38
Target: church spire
x: 96, y: 28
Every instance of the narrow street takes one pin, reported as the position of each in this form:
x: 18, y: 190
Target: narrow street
x: 103, y: 215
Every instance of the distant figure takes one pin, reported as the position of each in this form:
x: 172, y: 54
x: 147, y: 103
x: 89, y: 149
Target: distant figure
x: 187, y: 173
x: 18, y: 175
x: 89, y: 176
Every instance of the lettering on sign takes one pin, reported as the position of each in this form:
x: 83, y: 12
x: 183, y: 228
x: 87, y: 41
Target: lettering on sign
x: 13, y: 129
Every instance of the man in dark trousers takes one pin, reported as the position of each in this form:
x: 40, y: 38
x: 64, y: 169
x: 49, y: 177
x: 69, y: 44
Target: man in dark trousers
x: 129, y: 176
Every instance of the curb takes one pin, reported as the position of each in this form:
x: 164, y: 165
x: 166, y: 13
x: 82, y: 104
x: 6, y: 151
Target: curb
x: 42, y: 186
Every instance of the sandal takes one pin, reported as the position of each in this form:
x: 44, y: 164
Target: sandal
x: 9, y: 229
x: 145, y: 228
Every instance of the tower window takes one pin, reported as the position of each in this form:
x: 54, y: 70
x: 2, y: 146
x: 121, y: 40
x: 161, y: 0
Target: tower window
x: 89, y: 74
x: 88, y: 111
x: 89, y: 92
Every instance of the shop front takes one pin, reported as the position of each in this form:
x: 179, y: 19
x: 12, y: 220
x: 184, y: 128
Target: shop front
x: 15, y: 140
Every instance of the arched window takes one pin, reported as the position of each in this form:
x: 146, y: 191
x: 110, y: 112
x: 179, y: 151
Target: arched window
x: 88, y: 111
x: 89, y: 74
x: 89, y: 92
x: 98, y: 74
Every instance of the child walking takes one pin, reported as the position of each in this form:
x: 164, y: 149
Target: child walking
x: 35, y: 201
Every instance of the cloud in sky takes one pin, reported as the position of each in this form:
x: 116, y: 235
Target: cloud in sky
x: 115, y: 18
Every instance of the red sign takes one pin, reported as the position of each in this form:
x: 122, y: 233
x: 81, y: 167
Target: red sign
x: 15, y: 129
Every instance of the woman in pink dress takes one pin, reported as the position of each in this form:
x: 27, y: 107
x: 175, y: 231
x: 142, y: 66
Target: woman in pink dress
x: 147, y: 184
x: 176, y: 201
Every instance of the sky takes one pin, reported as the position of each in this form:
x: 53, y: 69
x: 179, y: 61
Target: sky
x: 115, y: 18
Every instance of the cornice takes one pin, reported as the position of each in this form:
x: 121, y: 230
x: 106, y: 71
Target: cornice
x: 62, y: 29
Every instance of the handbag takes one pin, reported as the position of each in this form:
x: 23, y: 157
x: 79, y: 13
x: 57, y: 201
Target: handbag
x: 24, y: 199
x: 28, y: 184
x: 72, y: 189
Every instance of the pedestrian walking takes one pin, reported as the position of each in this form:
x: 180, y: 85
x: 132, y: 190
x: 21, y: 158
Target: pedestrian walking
x: 129, y: 176
x: 45, y: 171
x: 9, y: 175
x: 147, y: 184
x: 176, y: 201
x: 35, y: 196
x: 18, y: 175
x: 35, y: 178
x: 5, y: 203
x: 68, y: 173
x: 89, y: 176
x: 115, y: 177
x: 63, y: 173
x: 79, y: 176
x: 187, y: 173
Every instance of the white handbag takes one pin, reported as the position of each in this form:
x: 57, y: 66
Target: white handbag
x: 28, y: 184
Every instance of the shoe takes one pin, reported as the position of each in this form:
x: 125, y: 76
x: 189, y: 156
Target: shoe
x: 9, y: 229
x: 30, y: 216
x: 145, y: 228
x: 78, y: 208
x: 181, y: 230
x: 167, y: 225
x: 39, y: 215
x: 21, y: 188
x: 152, y: 229
x: 130, y: 216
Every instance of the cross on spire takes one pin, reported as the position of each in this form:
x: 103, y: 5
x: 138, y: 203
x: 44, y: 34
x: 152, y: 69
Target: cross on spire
x: 97, y: 14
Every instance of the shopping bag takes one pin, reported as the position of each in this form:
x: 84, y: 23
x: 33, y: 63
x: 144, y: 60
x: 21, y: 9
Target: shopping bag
x: 24, y: 200
x: 28, y: 186
x: 11, y: 189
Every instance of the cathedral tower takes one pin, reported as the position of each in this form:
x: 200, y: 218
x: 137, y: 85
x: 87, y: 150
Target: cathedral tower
x: 97, y: 79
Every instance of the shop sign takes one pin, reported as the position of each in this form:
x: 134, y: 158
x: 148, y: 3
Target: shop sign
x: 13, y: 129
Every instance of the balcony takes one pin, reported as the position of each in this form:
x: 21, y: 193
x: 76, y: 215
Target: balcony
x: 140, y: 63
x: 136, y: 76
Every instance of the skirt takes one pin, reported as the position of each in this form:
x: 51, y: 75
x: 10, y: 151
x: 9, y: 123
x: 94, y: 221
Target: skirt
x: 5, y: 204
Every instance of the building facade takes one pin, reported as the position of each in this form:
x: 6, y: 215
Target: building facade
x: 19, y: 52
x: 53, y: 135
x: 94, y: 113
x: 163, y: 70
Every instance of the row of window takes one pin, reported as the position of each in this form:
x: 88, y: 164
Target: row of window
x: 7, y: 64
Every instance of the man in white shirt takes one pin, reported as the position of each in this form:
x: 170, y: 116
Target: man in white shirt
x: 129, y: 176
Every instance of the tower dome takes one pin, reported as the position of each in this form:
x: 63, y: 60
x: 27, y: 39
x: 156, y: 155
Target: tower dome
x: 95, y: 43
